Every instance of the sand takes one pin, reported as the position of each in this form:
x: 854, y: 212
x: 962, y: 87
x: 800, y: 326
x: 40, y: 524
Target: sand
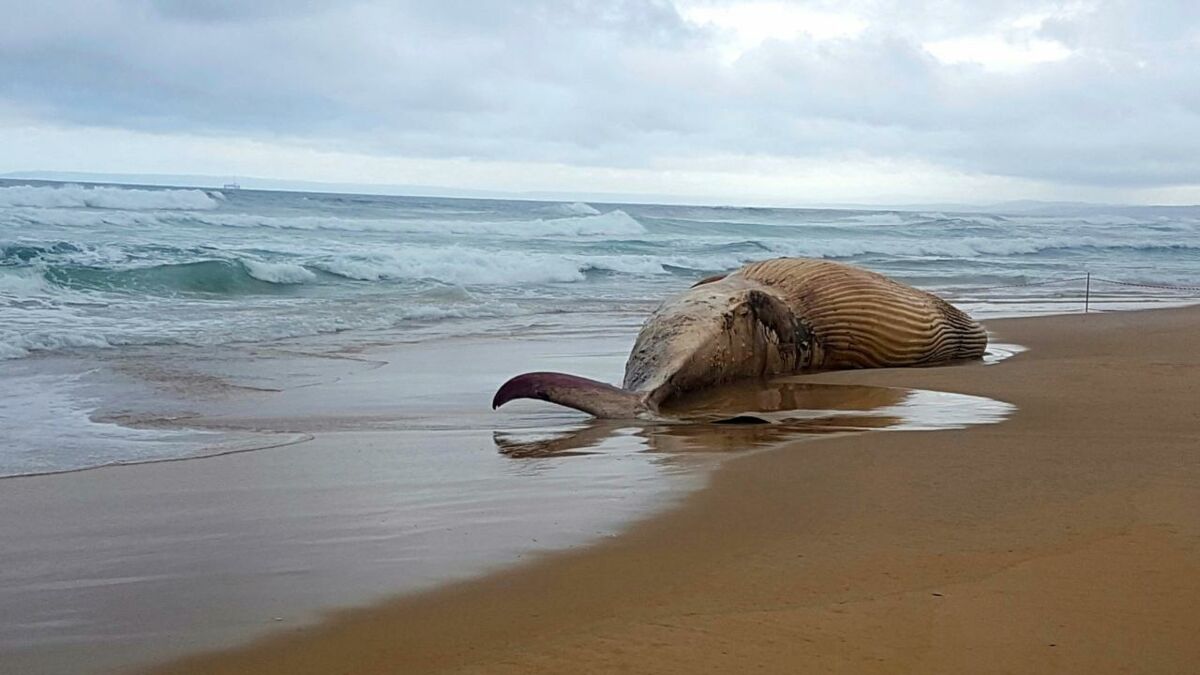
x: 1066, y: 539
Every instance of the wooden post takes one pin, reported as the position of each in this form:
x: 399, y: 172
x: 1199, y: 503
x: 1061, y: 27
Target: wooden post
x: 1087, y: 293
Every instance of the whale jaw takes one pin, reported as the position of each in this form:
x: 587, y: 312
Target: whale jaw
x: 590, y: 396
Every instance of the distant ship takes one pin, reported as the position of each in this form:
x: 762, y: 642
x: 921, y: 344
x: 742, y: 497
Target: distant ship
x: 232, y: 186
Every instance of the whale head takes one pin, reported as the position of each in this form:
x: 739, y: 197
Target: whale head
x: 717, y: 331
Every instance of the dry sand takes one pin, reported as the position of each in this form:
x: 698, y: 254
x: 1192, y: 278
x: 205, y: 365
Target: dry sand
x: 1066, y: 539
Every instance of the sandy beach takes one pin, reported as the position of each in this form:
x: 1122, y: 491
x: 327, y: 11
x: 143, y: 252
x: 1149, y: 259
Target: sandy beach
x: 1065, y: 539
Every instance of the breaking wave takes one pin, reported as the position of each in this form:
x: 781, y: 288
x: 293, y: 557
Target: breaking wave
x: 612, y: 223
x: 278, y: 272
x: 212, y: 277
x: 458, y: 265
x: 100, y: 197
x: 22, y: 284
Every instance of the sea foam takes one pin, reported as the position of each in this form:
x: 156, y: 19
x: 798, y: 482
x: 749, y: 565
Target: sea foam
x: 612, y: 223
x: 22, y: 283
x: 278, y: 272
x: 477, y: 266
x: 456, y: 265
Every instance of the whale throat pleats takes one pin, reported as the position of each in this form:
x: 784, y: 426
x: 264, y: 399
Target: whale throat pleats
x: 865, y: 320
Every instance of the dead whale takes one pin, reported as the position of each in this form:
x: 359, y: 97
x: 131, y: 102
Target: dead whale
x: 775, y: 317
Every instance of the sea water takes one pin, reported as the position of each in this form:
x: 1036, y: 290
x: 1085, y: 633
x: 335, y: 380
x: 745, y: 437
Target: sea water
x: 99, y: 267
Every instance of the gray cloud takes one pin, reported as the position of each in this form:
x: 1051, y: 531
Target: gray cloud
x: 627, y: 84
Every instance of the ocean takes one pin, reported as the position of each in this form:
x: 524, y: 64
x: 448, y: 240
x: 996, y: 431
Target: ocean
x: 97, y: 267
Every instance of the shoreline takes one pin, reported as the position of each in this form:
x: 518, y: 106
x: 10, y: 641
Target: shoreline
x: 1064, y: 539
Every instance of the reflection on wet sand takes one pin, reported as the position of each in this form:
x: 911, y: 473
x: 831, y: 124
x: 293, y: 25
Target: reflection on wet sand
x: 783, y: 397
x: 756, y: 415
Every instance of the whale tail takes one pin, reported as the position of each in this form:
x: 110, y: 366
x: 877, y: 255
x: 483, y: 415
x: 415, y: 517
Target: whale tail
x: 589, y: 396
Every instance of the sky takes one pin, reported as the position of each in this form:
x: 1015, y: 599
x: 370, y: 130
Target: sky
x: 763, y: 102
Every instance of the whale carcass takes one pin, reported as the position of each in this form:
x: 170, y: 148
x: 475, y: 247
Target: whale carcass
x: 775, y: 317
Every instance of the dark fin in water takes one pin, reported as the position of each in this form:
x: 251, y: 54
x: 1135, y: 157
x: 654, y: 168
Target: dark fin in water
x: 572, y: 391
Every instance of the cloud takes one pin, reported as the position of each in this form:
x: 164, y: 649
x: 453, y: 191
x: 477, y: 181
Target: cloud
x: 1078, y: 95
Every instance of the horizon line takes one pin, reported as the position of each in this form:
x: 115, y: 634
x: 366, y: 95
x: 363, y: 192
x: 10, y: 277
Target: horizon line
x: 217, y: 182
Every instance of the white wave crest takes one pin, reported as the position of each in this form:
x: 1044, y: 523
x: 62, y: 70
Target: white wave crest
x: 23, y: 283
x: 278, y: 273
x: 575, y: 209
x: 455, y: 265
x: 124, y: 199
x: 612, y: 223
x: 458, y: 265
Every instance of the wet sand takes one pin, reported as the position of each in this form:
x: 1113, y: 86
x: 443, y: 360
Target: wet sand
x: 381, y: 477
x: 1066, y: 539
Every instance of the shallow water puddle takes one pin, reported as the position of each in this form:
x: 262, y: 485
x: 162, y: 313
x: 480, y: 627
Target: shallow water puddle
x: 1000, y: 351
x: 756, y: 415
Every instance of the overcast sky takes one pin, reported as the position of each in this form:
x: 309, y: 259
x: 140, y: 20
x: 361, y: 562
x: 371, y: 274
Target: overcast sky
x: 753, y: 102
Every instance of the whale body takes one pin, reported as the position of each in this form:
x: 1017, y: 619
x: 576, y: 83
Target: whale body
x: 771, y: 318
